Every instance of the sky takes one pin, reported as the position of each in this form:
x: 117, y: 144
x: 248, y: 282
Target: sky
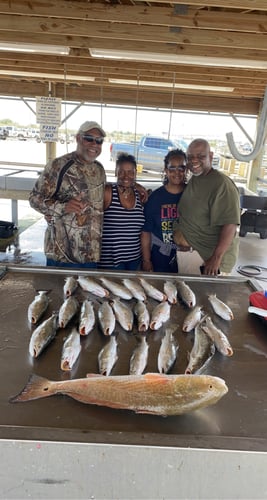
x: 173, y: 124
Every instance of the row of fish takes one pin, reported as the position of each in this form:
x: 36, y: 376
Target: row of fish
x: 107, y: 312
x: 207, y: 335
x: 132, y: 289
x: 108, y: 355
x: 129, y: 289
x: 138, y: 361
x: 207, y: 338
x: 110, y: 311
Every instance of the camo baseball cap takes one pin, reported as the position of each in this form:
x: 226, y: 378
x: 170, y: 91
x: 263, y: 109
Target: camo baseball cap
x: 87, y: 126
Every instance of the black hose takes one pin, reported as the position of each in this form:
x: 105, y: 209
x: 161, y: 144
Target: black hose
x: 252, y: 271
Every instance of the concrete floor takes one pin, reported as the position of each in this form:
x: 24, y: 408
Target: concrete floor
x: 28, y: 250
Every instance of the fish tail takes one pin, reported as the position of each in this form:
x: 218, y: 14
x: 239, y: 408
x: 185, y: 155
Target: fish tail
x: 36, y: 387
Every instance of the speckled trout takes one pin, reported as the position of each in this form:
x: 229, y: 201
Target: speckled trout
x: 201, y: 353
x: 87, y: 317
x: 43, y: 335
x: 186, y: 294
x: 70, y: 350
x: 67, y: 310
x: 70, y: 286
x: 139, y: 357
x: 152, y: 291
x: 91, y: 285
x: 222, y: 309
x: 152, y: 393
x: 192, y: 319
x: 38, y: 306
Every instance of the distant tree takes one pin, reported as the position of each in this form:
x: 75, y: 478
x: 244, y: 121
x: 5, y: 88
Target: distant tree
x: 7, y: 121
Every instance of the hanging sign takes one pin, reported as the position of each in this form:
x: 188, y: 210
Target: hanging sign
x: 48, y: 114
x: 48, y: 133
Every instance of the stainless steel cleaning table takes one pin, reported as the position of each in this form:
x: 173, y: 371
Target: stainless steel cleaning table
x: 64, y: 426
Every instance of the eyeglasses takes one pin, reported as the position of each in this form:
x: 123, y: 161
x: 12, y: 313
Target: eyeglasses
x: 173, y: 168
x: 191, y: 158
x: 92, y: 138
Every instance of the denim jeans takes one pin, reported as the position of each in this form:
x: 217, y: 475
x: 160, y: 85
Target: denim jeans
x: 71, y: 265
x: 132, y: 265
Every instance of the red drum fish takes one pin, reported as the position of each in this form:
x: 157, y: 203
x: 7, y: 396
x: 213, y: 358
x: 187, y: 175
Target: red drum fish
x: 153, y: 393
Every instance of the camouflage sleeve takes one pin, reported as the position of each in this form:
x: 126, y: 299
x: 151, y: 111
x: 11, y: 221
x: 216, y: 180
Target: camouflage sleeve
x: 42, y: 195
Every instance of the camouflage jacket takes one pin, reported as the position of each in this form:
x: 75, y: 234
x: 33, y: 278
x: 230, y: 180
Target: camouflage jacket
x: 70, y: 237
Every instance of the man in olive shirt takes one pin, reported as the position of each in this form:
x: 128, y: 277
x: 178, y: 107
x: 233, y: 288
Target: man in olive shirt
x: 209, y: 213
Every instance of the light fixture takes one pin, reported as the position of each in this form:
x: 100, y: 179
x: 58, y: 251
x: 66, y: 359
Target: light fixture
x: 170, y: 85
x: 35, y: 48
x: 58, y: 76
x: 125, y: 55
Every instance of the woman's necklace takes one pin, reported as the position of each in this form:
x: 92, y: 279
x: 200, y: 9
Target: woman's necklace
x: 125, y: 192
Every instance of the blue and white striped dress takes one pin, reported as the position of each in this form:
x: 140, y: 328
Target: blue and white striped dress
x: 121, y: 231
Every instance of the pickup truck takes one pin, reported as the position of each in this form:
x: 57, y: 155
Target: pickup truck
x: 3, y: 133
x: 149, y: 152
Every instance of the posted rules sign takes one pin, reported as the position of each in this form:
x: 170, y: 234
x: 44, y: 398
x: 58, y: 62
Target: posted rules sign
x: 48, y: 114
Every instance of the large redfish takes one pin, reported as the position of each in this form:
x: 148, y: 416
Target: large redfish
x: 153, y: 393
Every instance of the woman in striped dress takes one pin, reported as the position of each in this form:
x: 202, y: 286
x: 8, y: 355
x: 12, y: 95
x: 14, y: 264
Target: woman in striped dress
x: 123, y: 219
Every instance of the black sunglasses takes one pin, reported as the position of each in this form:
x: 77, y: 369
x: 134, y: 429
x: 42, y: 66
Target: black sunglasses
x: 172, y: 168
x: 92, y: 138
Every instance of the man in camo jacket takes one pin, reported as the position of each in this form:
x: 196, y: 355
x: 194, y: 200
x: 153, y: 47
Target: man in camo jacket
x: 70, y: 193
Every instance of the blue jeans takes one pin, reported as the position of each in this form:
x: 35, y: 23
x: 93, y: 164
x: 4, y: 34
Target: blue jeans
x: 56, y: 263
x: 132, y: 265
